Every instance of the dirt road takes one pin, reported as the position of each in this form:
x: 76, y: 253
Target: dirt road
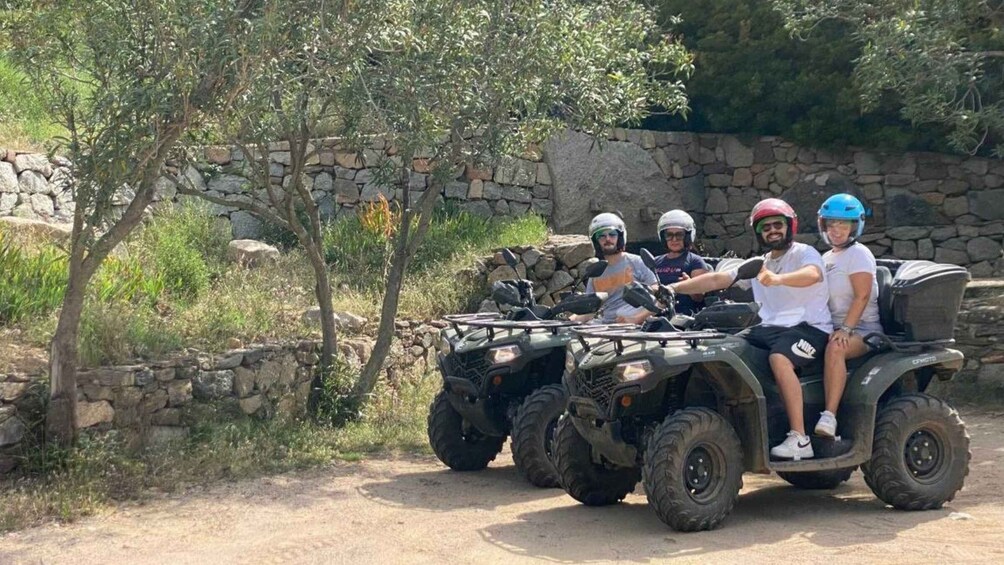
x: 414, y: 511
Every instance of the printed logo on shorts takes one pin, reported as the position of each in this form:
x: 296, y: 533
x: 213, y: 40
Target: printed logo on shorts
x: 804, y: 349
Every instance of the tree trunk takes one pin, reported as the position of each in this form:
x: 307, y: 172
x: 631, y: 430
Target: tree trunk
x: 322, y: 291
x: 61, y: 419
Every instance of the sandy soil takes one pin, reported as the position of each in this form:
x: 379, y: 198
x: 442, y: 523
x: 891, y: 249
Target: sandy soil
x: 414, y: 511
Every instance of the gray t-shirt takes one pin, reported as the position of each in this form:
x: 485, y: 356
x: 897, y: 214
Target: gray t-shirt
x: 789, y: 306
x: 614, y: 279
x: 839, y: 267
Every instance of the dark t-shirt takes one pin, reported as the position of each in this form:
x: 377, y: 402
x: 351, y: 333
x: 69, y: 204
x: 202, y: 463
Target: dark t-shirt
x: 669, y: 270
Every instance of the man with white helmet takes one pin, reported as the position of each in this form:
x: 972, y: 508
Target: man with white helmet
x: 677, y: 232
x: 609, y: 236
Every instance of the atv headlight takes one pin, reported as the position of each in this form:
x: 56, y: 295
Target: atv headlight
x: 569, y: 362
x: 633, y: 370
x: 504, y: 354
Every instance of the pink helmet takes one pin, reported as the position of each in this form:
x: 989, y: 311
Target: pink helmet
x: 774, y: 207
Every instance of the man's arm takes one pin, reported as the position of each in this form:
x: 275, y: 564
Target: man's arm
x: 704, y: 283
x: 806, y: 276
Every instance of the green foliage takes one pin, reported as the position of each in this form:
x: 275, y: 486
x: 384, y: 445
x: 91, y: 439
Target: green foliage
x: 118, y: 332
x: 939, y: 59
x: 186, y: 247
x: 32, y: 284
x: 751, y: 76
x: 24, y: 120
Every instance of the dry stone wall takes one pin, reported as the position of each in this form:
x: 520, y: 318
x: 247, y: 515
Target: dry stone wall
x: 158, y: 401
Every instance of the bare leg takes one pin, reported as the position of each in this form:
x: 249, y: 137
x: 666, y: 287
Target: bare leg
x: 791, y: 390
x: 835, y: 369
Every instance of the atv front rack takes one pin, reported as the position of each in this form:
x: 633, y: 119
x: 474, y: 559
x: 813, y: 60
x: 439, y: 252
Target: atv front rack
x: 526, y: 325
x: 456, y: 320
x: 618, y: 337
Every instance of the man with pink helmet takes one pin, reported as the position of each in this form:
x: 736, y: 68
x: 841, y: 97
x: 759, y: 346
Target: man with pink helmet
x: 795, y: 318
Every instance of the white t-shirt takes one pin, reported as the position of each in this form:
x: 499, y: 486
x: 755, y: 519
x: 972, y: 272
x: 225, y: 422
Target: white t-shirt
x: 613, y: 280
x: 789, y: 306
x: 840, y: 265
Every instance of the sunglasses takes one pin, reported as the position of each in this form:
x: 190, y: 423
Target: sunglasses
x: 777, y: 225
x: 674, y: 235
x: 605, y: 233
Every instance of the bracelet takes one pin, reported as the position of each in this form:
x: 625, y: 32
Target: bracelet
x: 847, y: 329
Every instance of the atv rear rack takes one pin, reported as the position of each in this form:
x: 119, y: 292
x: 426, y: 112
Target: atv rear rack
x: 619, y: 337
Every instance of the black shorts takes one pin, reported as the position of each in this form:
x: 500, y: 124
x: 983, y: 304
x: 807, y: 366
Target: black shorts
x: 801, y: 344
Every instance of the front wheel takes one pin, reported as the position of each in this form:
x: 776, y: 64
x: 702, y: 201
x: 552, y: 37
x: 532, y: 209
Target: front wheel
x: 587, y: 481
x: 920, y: 457
x: 533, y: 435
x: 693, y: 469
x: 455, y: 441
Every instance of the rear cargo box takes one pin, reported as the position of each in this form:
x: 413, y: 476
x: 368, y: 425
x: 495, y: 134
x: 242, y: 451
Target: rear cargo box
x: 926, y: 298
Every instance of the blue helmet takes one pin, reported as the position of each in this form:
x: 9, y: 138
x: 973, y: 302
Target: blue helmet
x: 842, y: 207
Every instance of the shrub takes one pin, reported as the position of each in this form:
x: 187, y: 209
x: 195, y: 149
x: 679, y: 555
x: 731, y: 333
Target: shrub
x: 186, y: 246
x: 31, y: 284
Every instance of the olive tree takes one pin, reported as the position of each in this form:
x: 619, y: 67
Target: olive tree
x: 129, y: 80
x: 450, y: 83
x: 942, y: 59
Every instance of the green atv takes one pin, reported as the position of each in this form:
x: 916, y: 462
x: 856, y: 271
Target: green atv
x: 688, y: 412
x: 502, y: 377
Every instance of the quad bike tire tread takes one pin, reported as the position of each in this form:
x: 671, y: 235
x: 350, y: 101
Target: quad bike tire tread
x: 445, y: 428
x: 665, y: 457
x: 529, y: 435
x: 586, y: 481
x: 886, y: 473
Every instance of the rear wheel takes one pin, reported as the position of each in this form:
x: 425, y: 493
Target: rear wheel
x: 920, y: 457
x: 693, y: 469
x: 457, y: 443
x: 587, y: 481
x: 533, y: 435
x: 818, y: 480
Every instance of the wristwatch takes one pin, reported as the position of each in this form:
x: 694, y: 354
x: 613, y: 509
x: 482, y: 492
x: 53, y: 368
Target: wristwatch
x: 847, y: 329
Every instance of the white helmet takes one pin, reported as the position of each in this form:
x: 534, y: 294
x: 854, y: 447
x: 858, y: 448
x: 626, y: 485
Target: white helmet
x: 608, y: 221
x: 678, y: 219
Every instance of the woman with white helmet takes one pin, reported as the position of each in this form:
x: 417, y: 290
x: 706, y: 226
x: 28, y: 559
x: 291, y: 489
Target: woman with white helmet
x: 678, y: 232
x: 850, y: 277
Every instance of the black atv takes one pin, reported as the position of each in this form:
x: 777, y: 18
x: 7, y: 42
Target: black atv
x: 688, y: 412
x: 502, y: 376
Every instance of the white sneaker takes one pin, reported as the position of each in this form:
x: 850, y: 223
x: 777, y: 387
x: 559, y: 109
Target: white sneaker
x: 796, y: 446
x: 827, y: 424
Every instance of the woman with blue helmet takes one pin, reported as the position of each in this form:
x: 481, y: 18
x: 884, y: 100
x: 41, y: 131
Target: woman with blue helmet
x: 850, y: 277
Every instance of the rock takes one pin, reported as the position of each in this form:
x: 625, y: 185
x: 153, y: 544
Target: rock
x: 543, y: 174
x: 983, y: 249
x: 904, y: 249
x: 250, y: 252
x: 179, y: 393
x: 944, y: 255
x: 479, y: 208
x: 736, y: 154
x: 960, y: 516
x: 866, y: 163
x: 7, y: 202
x: 531, y: 256
x: 251, y: 404
x: 455, y: 189
x: 350, y: 321
x: 8, y: 178
x: 37, y: 228
x: 10, y: 392
x: 911, y: 210
x: 560, y: 280
x: 907, y: 232
x: 717, y: 203
x: 987, y: 204
x: 925, y: 249
x: 503, y: 272
x: 476, y: 190
x: 213, y: 385
x: 574, y: 252
x: 31, y: 182
x: 955, y: 207
x: 545, y: 267
x: 33, y: 162
x: 228, y: 361
x: 243, y: 381
x: 228, y: 184
x: 622, y: 174
x: 12, y: 430
x: 94, y: 413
